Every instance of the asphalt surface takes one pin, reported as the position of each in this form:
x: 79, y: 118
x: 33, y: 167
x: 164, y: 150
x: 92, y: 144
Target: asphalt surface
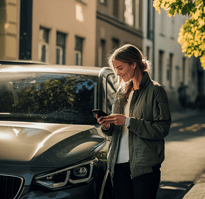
x: 190, y: 185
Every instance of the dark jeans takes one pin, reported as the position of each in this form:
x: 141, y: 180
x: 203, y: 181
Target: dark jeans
x: 141, y: 187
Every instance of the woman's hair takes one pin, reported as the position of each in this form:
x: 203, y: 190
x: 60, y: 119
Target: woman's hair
x: 130, y: 54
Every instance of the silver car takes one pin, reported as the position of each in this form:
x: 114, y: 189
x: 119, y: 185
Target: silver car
x: 51, y: 144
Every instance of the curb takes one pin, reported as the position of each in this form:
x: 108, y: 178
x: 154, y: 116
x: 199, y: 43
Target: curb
x: 197, y: 191
x: 182, y: 195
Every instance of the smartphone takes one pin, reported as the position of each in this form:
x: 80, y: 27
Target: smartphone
x: 99, y: 112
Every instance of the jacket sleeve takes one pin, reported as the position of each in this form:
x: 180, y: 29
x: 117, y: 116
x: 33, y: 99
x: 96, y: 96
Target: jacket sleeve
x: 158, y: 128
x: 109, y: 131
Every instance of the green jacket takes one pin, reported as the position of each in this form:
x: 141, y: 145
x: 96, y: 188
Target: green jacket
x: 149, y: 124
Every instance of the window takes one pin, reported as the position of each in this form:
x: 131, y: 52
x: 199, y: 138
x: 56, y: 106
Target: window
x: 79, y: 12
x: 60, y: 48
x: 169, y: 71
x: 161, y: 54
x: 78, y: 51
x: 44, y: 51
x: 116, y: 8
x: 49, y: 97
x: 183, y: 68
x: 149, y: 20
x: 129, y: 12
x: 101, y: 53
x: 103, y: 1
x: 140, y: 13
x: 115, y: 43
x: 148, y: 52
x: 134, y: 8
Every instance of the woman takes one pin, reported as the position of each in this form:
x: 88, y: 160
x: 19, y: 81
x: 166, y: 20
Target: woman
x: 140, y: 121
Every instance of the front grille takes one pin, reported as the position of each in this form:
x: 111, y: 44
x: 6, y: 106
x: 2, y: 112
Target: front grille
x: 10, y: 186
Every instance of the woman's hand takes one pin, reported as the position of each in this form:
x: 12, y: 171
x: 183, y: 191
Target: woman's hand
x: 104, y: 124
x: 116, y: 119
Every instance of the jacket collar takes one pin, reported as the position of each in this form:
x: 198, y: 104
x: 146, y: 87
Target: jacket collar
x: 145, y: 80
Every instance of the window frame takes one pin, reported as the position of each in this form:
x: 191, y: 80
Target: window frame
x: 171, y: 59
x: 160, y: 69
x: 43, y: 43
x: 115, y: 43
x: 62, y: 48
x: 79, y: 50
x: 61, y: 55
x: 115, y: 8
x: 102, y: 53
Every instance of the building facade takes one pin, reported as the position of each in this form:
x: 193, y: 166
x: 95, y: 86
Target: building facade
x: 170, y: 66
x: 9, y: 29
x: 84, y: 32
x: 118, y: 22
x: 64, y: 31
x: 56, y: 32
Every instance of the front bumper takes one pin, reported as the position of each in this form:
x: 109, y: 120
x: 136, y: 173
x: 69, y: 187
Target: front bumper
x: 87, y: 191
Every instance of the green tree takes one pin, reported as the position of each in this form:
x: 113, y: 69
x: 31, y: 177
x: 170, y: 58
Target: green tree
x: 192, y: 33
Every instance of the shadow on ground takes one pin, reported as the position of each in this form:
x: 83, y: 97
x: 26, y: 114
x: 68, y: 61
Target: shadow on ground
x: 173, y: 190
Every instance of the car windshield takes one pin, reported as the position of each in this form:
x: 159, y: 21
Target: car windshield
x: 48, y: 97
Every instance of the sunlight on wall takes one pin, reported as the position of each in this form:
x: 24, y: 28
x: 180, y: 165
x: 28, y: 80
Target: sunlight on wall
x: 79, y: 13
x: 128, y: 14
x: 6, y: 25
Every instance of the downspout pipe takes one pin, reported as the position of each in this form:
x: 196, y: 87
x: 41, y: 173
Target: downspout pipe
x: 25, y: 40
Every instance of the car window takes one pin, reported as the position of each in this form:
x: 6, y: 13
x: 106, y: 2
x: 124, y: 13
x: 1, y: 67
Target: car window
x: 48, y: 97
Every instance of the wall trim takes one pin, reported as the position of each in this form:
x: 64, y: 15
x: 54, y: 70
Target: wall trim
x: 118, y: 24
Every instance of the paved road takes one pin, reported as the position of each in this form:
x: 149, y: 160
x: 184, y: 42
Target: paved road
x: 185, y: 157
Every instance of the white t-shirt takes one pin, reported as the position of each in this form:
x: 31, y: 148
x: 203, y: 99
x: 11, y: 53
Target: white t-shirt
x: 123, y: 153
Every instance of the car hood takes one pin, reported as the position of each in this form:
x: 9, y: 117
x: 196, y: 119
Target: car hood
x: 46, y: 144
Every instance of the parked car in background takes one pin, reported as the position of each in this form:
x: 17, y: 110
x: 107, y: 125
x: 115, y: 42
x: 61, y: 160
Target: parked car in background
x: 51, y: 144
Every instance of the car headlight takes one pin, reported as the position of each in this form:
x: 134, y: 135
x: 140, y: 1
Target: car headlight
x: 72, y: 175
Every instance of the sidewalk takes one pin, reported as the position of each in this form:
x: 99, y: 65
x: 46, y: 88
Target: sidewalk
x: 197, y: 191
